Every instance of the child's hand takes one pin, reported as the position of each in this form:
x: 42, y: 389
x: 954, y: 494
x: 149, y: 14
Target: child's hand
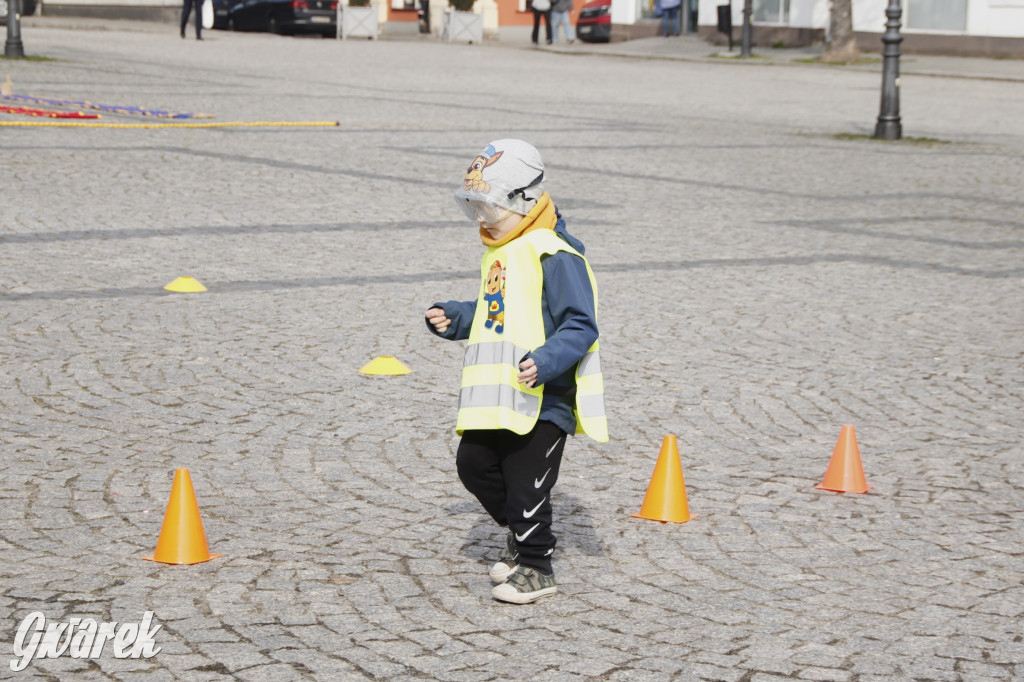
x: 528, y: 375
x: 436, y: 317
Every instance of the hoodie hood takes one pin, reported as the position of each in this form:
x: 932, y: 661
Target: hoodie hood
x: 564, y: 234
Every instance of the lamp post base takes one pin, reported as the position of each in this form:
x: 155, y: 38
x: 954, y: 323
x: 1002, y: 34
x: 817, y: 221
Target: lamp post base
x: 888, y: 129
x: 14, y: 49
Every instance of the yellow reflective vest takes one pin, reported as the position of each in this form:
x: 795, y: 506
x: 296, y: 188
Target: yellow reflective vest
x: 507, y: 325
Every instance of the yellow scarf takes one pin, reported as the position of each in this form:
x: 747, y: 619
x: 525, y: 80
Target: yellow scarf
x: 541, y: 217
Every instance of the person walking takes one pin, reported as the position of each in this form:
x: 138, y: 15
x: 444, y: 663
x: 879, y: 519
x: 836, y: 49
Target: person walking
x: 669, y: 16
x: 560, y: 15
x: 541, y: 8
x: 424, y: 16
x: 532, y: 371
x: 186, y: 10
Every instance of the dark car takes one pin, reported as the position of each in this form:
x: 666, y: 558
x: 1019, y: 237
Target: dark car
x: 221, y: 12
x: 285, y: 16
x: 595, y: 22
x: 28, y: 8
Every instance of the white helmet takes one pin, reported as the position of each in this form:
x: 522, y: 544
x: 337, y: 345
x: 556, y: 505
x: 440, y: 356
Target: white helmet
x: 505, y: 177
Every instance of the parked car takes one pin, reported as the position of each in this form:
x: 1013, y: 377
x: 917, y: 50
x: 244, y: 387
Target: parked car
x: 285, y: 16
x: 595, y: 22
x: 28, y: 8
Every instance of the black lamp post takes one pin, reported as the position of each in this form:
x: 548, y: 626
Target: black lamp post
x: 13, y: 49
x: 888, y: 126
x: 748, y: 9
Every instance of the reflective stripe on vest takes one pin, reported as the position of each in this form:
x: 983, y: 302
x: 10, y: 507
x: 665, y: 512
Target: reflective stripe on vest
x: 491, y: 396
x: 493, y: 353
x: 591, y: 417
x: 590, y: 364
x: 501, y: 395
x: 590, y: 406
x: 484, y: 404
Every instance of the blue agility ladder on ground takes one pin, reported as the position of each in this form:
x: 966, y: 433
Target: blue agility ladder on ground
x: 113, y: 109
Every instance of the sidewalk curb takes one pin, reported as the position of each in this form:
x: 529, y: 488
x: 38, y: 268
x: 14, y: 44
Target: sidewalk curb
x: 641, y: 49
x: 906, y: 66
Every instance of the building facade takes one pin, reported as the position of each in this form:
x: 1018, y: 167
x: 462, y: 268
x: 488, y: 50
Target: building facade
x: 983, y: 28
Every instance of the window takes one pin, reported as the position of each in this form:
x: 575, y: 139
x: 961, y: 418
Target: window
x: 937, y: 15
x: 772, y: 11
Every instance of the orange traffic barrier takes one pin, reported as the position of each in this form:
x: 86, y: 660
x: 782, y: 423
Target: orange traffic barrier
x: 666, y: 495
x: 845, y: 472
x: 182, y: 540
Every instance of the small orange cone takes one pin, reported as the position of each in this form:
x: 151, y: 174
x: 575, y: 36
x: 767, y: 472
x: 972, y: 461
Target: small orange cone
x: 182, y: 540
x: 845, y: 472
x: 666, y: 495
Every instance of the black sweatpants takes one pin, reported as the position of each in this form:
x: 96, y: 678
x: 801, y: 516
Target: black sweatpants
x: 512, y: 476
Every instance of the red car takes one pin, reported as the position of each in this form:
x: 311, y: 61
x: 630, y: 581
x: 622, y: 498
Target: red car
x: 595, y: 22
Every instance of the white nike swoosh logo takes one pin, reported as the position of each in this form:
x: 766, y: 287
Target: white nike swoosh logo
x: 548, y: 553
x: 520, y: 538
x: 536, y: 483
x: 552, y: 448
x: 528, y: 514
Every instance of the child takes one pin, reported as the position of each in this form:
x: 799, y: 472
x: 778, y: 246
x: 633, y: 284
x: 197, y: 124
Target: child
x: 531, y: 374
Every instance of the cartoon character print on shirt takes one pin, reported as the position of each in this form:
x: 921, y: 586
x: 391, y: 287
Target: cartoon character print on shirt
x: 475, y: 173
x: 494, y: 297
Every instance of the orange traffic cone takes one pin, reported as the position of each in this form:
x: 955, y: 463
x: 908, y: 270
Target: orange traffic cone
x: 666, y: 495
x: 845, y: 472
x: 182, y: 540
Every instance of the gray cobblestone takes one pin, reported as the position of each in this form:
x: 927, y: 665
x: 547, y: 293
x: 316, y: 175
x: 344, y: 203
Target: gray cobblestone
x: 763, y: 282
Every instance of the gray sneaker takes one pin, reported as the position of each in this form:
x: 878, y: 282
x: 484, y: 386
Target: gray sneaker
x: 525, y: 585
x: 506, y: 563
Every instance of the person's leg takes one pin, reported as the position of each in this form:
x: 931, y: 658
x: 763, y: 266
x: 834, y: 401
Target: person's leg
x: 547, y: 25
x: 676, y: 15
x: 536, y: 26
x: 530, y: 468
x: 199, y: 19
x: 479, y: 465
x: 186, y: 9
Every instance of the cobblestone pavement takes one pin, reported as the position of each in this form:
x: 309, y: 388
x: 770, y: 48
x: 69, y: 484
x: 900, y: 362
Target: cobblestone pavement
x: 767, y: 273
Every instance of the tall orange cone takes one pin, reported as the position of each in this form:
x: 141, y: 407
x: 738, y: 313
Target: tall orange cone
x: 666, y: 495
x: 845, y: 472
x: 182, y: 540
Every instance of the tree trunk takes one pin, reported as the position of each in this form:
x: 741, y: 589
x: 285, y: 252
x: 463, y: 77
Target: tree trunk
x: 842, y: 45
